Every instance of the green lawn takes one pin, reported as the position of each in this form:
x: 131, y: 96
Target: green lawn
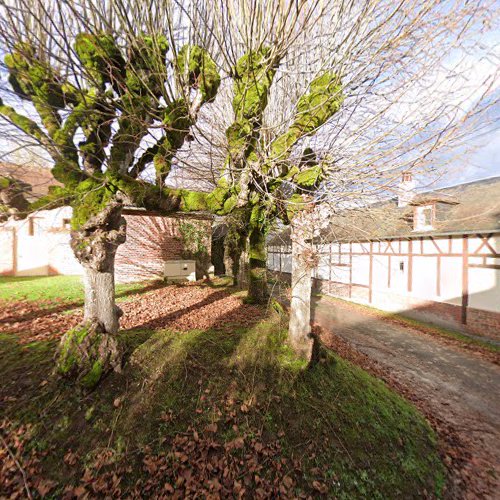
x: 56, y: 288
x: 238, y: 401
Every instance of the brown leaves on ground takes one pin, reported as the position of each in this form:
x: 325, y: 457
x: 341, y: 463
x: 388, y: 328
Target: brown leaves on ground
x: 188, y: 307
x: 34, y: 321
x: 19, y: 469
x: 193, y: 464
x: 176, y: 307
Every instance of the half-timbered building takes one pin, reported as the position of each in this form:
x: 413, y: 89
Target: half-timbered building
x: 434, y: 256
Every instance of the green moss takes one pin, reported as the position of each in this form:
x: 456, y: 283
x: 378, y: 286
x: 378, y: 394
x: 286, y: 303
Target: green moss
x: 4, y: 182
x: 33, y: 79
x: 309, y: 177
x: 91, y: 196
x: 321, y: 102
x: 91, y: 379
x: 193, y: 201
x: 294, y: 204
x: 254, y: 73
x: 22, y: 122
x: 146, y: 67
x: 177, y: 123
x: 67, y: 361
x: 230, y: 204
x: 200, y: 69
x: 314, y: 109
x: 257, y: 245
x: 217, y: 198
x: 239, y: 137
x: 68, y: 172
x: 100, y: 56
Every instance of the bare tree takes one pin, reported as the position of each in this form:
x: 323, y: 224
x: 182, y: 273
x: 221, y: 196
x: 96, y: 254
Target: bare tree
x: 106, y: 98
x: 369, y: 88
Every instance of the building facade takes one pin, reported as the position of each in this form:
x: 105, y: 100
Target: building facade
x: 39, y: 245
x: 433, y: 256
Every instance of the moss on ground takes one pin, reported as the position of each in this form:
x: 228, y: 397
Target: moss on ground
x: 343, y: 427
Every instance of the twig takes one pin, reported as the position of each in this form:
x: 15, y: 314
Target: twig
x: 21, y: 470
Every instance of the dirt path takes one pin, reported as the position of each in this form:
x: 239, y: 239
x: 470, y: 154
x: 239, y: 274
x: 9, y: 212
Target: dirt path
x: 457, y: 390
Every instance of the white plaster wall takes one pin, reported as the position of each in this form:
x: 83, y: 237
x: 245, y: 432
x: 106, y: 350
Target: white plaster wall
x: 424, y: 277
x: 484, y: 289
x: 340, y: 274
x: 483, y: 283
x: 399, y: 278
x: 6, y: 253
x: 45, y: 252
x: 380, y: 271
x: 451, y: 280
x: 360, y: 269
x: 32, y: 256
x: 323, y: 269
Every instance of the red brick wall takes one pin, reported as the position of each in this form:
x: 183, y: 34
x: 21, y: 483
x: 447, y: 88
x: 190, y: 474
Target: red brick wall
x: 150, y: 242
x: 483, y: 322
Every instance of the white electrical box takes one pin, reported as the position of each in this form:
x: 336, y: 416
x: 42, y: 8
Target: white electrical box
x: 180, y: 270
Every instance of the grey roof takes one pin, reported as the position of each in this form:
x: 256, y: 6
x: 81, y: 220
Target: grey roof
x: 470, y: 207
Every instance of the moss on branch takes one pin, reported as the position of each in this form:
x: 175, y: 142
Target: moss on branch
x: 201, y: 71
x: 254, y: 73
x: 314, y: 109
x: 101, y: 57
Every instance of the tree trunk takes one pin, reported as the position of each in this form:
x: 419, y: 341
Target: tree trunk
x: 235, y: 268
x: 257, y: 275
x: 299, y: 331
x: 100, y: 299
x: 90, y: 350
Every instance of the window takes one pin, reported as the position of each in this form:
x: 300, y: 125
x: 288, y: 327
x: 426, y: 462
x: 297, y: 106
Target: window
x: 424, y: 218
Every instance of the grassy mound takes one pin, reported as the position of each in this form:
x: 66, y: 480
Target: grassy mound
x: 215, y: 413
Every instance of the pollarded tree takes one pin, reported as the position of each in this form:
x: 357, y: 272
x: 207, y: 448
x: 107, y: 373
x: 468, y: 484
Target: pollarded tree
x: 253, y: 168
x: 106, y: 101
x: 373, y: 87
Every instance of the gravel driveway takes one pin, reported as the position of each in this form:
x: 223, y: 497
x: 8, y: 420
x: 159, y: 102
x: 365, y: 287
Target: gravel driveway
x: 453, y: 386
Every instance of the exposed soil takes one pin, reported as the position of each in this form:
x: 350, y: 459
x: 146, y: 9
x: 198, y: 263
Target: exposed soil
x: 180, y: 308
x: 457, y: 390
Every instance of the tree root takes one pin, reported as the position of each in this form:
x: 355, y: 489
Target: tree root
x: 87, y: 353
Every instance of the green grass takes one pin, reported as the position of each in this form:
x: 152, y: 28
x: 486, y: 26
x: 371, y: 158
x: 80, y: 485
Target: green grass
x: 67, y: 289
x: 341, y: 426
x: 422, y: 326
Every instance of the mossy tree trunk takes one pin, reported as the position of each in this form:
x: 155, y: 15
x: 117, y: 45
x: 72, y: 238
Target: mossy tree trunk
x: 257, y: 276
x: 92, y: 349
x: 303, y: 261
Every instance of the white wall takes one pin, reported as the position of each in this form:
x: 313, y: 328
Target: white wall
x: 45, y: 252
x: 431, y: 261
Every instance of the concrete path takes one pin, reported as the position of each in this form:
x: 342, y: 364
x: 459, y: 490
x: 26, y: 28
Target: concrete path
x: 460, y: 388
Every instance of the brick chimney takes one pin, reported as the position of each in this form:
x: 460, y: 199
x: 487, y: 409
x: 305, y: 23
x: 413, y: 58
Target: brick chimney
x: 406, y: 189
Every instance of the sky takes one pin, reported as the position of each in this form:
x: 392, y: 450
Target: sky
x: 482, y: 162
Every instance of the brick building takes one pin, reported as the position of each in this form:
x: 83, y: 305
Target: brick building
x: 433, y: 255
x: 39, y: 244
